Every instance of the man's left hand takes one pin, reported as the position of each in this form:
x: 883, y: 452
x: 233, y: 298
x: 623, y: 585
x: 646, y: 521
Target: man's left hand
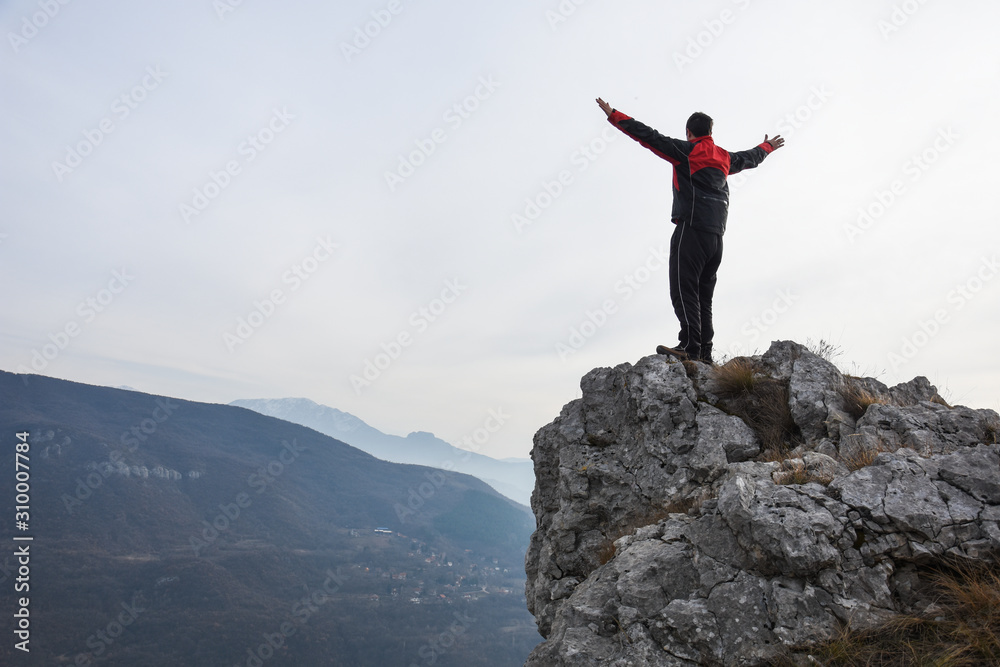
x: 776, y: 143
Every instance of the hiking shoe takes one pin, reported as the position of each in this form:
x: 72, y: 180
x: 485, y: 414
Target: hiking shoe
x: 706, y: 354
x: 680, y: 354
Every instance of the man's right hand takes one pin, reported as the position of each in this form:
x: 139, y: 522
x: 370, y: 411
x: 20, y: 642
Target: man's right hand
x: 605, y: 107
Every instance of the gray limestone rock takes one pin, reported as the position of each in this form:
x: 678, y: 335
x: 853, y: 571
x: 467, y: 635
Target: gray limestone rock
x: 926, y: 427
x: 813, y: 387
x: 662, y: 541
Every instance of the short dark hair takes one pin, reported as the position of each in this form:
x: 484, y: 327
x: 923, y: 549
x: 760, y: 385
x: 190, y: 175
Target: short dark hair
x: 700, y: 124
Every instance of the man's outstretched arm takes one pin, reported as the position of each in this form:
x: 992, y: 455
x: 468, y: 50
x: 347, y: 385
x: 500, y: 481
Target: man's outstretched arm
x: 671, y: 150
x: 753, y: 157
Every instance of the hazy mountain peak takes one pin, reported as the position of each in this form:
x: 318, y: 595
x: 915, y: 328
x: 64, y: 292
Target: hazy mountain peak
x: 514, y: 479
x: 290, y: 409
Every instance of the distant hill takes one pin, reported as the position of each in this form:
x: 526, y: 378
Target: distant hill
x: 515, y: 478
x: 169, y: 532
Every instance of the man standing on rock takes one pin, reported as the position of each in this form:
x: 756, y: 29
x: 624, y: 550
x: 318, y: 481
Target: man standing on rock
x: 700, y: 209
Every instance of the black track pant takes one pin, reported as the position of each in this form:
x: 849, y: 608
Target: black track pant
x: 695, y: 256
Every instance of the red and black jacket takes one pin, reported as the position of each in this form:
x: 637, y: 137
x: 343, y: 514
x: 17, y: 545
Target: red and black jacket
x: 701, y: 194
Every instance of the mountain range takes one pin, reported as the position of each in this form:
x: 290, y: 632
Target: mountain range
x: 171, y: 532
x: 514, y: 478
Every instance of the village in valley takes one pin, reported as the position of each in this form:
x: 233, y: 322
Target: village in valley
x: 396, y: 567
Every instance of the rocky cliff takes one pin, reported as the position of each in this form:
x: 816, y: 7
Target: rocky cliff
x: 689, y: 515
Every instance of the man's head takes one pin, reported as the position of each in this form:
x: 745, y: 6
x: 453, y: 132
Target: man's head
x: 699, y: 125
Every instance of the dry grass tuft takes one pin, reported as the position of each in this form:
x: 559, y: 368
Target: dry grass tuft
x: 962, y: 631
x: 690, y: 368
x: 857, y: 398
x: 606, y: 552
x: 620, y: 530
x: 736, y: 376
x: 773, y: 454
x: 936, y: 398
x: 761, y: 402
x: 655, y: 515
x: 992, y: 433
x: 824, y: 350
x: 861, y: 459
x: 794, y: 471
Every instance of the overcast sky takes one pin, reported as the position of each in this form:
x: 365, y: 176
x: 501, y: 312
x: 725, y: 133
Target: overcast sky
x: 415, y: 211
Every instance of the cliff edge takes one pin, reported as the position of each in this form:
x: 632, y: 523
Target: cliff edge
x: 690, y: 515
